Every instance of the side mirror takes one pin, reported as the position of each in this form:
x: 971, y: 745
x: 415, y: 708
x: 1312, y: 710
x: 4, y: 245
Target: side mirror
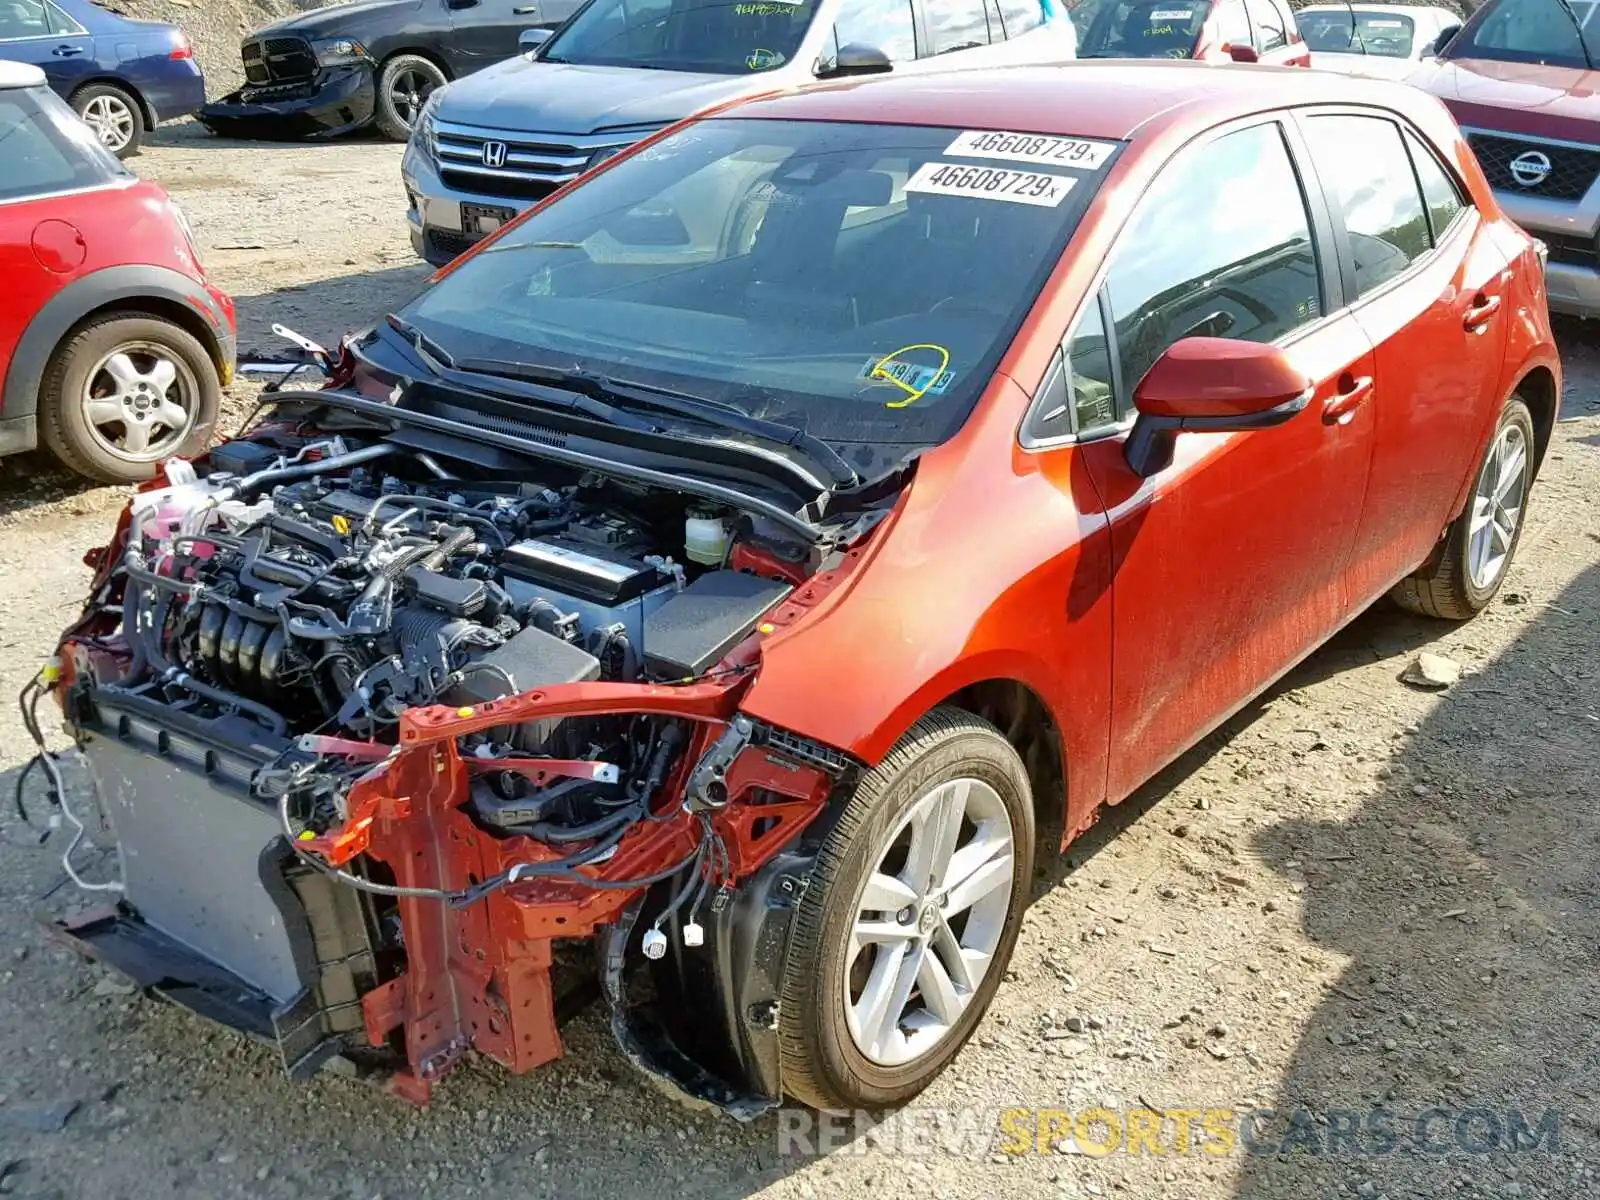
x: 530, y: 40
x: 1440, y: 43
x: 1241, y: 54
x: 857, y: 59
x: 1211, y: 385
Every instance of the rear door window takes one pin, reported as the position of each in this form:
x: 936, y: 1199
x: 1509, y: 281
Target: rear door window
x: 1369, y: 171
x: 1440, y: 191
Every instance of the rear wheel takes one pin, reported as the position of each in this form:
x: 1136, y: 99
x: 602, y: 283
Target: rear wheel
x: 1471, y: 564
x: 124, y: 393
x: 404, y: 85
x: 912, y: 913
x: 113, y: 115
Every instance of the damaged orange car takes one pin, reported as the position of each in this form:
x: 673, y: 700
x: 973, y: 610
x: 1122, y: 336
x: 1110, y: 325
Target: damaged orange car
x: 701, y: 593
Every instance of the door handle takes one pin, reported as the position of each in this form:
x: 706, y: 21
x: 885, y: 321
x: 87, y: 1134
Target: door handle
x: 1481, y: 313
x: 67, y: 51
x: 1341, y: 407
x: 525, y: 10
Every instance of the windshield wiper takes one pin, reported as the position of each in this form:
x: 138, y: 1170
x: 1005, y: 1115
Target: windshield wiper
x: 444, y: 365
x: 1577, y: 25
x: 420, y: 342
x: 709, y: 412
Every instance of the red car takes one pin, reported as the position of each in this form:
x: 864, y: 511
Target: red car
x: 113, y: 346
x: 1243, y: 31
x: 714, y: 579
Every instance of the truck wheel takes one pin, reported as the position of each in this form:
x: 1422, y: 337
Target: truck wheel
x: 404, y: 85
x: 124, y: 393
x: 115, y: 117
x: 1468, y: 569
x: 910, y: 917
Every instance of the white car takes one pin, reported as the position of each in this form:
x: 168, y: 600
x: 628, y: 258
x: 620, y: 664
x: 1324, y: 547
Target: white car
x: 1382, y: 40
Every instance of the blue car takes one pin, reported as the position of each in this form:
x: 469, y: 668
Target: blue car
x: 121, y: 75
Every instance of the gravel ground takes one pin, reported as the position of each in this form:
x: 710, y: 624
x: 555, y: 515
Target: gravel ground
x: 1359, y: 897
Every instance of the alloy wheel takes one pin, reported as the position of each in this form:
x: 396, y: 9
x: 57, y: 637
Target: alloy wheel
x: 928, y: 921
x: 112, y: 121
x: 140, y: 401
x: 408, y: 93
x: 1497, y: 507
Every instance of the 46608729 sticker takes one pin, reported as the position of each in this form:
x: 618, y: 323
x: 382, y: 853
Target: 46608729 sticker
x: 1044, y: 148
x: 991, y: 183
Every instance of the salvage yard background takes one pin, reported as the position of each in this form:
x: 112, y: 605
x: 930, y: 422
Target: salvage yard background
x: 1361, y: 894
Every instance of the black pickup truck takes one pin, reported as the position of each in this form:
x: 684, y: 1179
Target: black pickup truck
x: 337, y: 69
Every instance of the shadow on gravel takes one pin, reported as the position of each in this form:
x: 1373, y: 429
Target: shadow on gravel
x: 1479, y: 857
x: 325, y: 310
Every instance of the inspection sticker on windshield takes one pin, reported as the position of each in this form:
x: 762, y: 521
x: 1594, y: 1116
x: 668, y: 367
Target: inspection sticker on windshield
x: 990, y: 183
x: 1386, y: 24
x: 1172, y: 14
x: 919, y: 378
x: 1034, y: 147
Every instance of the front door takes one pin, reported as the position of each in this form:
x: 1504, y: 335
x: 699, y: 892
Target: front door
x: 1429, y: 281
x: 1229, y: 565
x: 486, y: 32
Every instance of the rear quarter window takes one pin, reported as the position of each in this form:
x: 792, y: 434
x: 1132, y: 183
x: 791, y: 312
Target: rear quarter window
x: 46, y: 149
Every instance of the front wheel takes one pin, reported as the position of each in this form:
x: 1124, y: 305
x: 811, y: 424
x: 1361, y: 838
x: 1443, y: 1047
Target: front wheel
x: 1471, y: 564
x: 404, y: 85
x: 910, y: 917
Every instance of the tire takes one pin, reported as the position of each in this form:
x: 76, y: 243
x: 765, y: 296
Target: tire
x: 104, y: 418
x: 826, y: 1013
x: 403, y: 76
x: 1462, y: 577
x: 115, y: 116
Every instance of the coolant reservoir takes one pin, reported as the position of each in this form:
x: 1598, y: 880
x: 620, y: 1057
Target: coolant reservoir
x: 705, y: 538
x: 164, y: 514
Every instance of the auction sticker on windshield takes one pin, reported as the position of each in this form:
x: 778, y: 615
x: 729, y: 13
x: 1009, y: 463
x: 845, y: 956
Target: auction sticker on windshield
x: 990, y: 183
x: 1033, y: 147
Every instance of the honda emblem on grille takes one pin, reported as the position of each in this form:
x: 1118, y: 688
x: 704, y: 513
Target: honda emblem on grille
x: 494, y: 154
x: 1530, y: 169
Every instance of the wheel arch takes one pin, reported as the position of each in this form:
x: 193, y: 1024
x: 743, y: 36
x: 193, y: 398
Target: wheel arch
x: 1023, y: 719
x: 1541, y: 393
x: 148, y: 290
x: 432, y: 56
x: 122, y: 85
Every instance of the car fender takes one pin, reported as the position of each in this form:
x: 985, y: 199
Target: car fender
x: 982, y: 574
x: 102, y: 290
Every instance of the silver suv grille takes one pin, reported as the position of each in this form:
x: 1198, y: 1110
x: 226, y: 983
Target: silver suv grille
x: 515, y: 163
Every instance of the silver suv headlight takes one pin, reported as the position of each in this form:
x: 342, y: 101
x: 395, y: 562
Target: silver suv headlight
x: 425, y: 136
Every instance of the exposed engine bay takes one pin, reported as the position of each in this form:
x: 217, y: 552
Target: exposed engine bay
x: 382, y: 735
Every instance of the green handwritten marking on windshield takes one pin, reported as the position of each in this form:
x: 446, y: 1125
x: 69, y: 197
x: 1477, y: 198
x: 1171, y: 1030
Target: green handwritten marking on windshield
x: 760, y: 60
x: 916, y: 380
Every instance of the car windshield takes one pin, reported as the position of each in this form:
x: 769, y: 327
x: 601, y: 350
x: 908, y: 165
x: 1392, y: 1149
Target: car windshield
x: 711, y: 36
x: 1534, y: 31
x: 858, y: 280
x: 1139, y: 28
x: 46, y: 149
x: 1386, y: 35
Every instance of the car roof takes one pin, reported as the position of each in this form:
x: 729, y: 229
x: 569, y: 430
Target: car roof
x: 19, y: 75
x: 1074, y: 99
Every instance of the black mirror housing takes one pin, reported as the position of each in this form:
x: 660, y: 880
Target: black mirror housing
x: 856, y: 59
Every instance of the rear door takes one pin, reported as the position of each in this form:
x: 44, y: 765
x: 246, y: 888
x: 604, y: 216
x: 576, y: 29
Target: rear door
x: 1229, y: 566
x: 1429, y: 283
x: 37, y: 32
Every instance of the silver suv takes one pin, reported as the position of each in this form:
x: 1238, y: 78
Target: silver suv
x: 489, y: 146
